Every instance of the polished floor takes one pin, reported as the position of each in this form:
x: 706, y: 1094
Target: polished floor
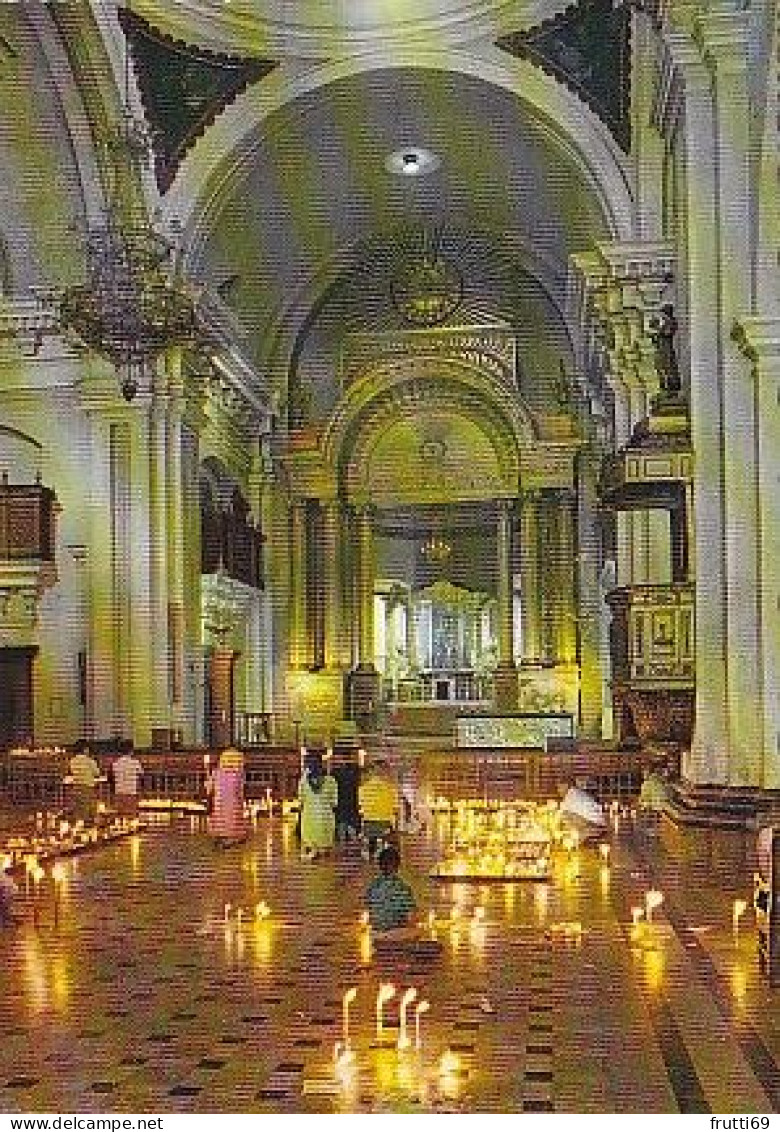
x: 143, y: 1000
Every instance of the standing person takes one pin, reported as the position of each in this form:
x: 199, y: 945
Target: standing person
x: 379, y: 803
x: 127, y: 770
x: 318, y: 794
x: 347, y: 777
x: 85, y: 775
x: 226, y: 786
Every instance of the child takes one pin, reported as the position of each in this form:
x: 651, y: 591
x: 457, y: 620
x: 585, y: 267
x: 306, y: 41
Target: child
x: 8, y: 890
x: 379, y: 805
x: 390, y: 900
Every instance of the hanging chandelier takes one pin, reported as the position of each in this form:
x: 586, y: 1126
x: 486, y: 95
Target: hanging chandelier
x: 436, y: 550
x: 132, y: 306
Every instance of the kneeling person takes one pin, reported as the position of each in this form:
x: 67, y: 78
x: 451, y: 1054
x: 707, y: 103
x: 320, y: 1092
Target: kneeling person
x: 390, y: 900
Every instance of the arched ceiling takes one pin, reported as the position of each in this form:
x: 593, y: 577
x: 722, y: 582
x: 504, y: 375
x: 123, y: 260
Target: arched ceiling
x: 321, y: 28
x: 318, y: 182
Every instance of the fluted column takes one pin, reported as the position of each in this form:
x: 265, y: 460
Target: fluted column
x: 331, y: 532
x: 566, y: 615
x: 365, y: 547
x: 299, y: 652
x: 529, y: 576
x: 505, y: 678
x: 158, y: 543
x: 175, y: 502
x: 504, y: 567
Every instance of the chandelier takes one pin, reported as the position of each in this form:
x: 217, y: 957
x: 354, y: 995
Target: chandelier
x: 132, y: 307
x: 436, y: 550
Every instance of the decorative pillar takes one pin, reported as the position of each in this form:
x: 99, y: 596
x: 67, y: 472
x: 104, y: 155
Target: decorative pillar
x: 506, y: 687
x: 708, y: 762
x: 759, y: 338
x: 220, y: 676
x: 175, y: 499
x: 364, y: 680
x: 331, y: 532
x: 591, y: 645
x: 529, y: 576
x: 724, y: 35
x: 365, y: 540
x: 565, y: 606
x: 299, y: 651
x: 412, y: 659
x: 159, y: 676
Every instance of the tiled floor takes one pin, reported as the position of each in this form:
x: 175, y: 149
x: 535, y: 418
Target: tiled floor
x: 143, y: 1001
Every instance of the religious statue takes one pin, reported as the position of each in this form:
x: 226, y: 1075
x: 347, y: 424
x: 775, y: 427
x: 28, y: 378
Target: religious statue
x: 663, y: 331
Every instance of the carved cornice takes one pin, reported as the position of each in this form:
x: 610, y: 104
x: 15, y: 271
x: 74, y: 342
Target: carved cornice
x: 492, y: 348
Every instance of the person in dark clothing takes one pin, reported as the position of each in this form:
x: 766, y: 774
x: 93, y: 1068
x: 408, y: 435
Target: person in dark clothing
x: 347, y: 777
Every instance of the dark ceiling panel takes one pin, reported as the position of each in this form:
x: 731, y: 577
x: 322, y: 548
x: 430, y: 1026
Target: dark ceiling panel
x: 184, y: 88
x: 588, y: 48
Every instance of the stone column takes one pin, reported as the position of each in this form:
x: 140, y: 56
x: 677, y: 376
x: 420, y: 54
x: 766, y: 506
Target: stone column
x: 724, y: 36
x: 411, y: 636
x: 709, y: 758
x: 220, y: 675
x: 331, y: 513
x: 506, y: 687
x: 529, y: 574
x: 175, y: 500
x: 158, y: 544
x: 365, y: 541
x: 760, y: 341
x: 594, y: 659
x: 566, y: 612
x: 299, y: 650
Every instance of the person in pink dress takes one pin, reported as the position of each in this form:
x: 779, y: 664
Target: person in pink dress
x: 226, y: 786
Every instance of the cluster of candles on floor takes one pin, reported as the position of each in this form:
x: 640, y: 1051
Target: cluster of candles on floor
x: 55, y: 836
x: 510, y: 841
x: 240, y: 916
x: 344, y: 1059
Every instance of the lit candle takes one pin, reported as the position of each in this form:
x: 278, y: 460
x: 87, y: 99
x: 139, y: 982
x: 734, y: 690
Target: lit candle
x: 262, y: 911
x: 403, y: 1037
x: 228, y: 910
x: 384, y: 994
x: 57, y: 875
x: 448, y: 1063
x: 653, y: 899
x: 349, y: 997
x: 604, y: 850
x: 239, y: 916
x: 206, y: 762
x: 420, y: 1009
x: 636, y: 914
x: 738, y: 911
x: 269, y: 800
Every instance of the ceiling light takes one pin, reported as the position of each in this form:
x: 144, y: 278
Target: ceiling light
x: 412, y: 161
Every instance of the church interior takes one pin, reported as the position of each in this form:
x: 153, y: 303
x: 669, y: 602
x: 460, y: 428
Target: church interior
x: 390, y: 393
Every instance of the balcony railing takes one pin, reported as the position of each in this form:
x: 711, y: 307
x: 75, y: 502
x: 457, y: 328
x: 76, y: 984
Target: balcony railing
x: 26, y: 523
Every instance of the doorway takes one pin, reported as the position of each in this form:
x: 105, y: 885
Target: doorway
x: 16, y: 696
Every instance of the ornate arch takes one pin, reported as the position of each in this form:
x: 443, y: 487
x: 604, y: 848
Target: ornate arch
x: 206, y: 177
x: 392, y: 391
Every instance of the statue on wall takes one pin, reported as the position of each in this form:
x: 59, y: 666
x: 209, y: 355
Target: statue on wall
x: 663, y: 331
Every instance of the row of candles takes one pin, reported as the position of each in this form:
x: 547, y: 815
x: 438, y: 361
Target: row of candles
x: 343, y: 1053
x: 55, y: 836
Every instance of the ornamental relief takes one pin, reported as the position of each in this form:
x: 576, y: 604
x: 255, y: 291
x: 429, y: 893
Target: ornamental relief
x: 492, y: 349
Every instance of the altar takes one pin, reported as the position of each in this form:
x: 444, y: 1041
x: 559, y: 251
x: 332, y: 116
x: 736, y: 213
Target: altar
x: 525, y: 729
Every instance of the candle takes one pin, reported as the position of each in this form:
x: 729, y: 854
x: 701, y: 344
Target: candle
x: 636, y: 914
x: 239, y: 916
x: 403, y: 1037
x: 57, y: 875
x: 420, y: 1009
x: 349, y: 997
x: 604, y: 850
x: 384, y: 994
x: 206, y: 761
x: 653, y: 899
x: 262, y: 911
x: 738, y: 910
x: 228, y: 910
x: 448, y: 1063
